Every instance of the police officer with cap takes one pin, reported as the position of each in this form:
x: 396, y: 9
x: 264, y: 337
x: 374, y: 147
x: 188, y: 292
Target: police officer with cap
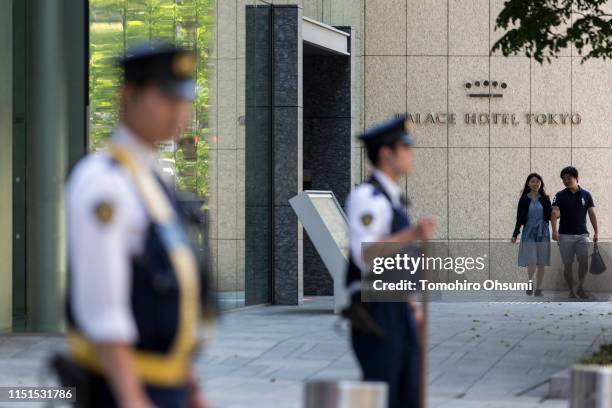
x: 384, y: 336
x: 133, y: 299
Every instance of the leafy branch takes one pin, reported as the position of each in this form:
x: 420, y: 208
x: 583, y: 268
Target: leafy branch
x: 542, y: 28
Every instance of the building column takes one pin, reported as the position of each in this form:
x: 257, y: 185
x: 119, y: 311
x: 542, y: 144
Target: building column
x: 258, y: 151
x: 274, y: 112
x: 287, y: 125
x: 55, y: 125
x: 6, y: 164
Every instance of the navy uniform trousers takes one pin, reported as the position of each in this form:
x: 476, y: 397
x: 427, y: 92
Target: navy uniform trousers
x: 393, y: 358
x: 171, y: 397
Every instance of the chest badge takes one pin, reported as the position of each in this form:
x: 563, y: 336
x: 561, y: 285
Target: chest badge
x: 583, y: 202
x: 366, y: 219
x: 104, y: 212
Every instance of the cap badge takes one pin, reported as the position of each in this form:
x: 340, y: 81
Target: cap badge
x: 183, y: 65
x: 408, y: 126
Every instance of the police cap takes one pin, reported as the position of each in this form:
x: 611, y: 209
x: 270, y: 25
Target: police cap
x: 389, y: 132
x: 169, y: 67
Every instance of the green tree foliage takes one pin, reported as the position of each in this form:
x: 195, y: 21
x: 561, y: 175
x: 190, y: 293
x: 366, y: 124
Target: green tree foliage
x: 541, y: 28
x: 115, y: 24
x: 601, y: 357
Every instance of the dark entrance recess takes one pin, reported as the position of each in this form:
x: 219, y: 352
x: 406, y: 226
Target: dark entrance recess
x: 327, y: 144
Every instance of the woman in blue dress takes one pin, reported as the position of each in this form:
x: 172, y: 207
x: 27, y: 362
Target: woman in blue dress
x: 533, y: 214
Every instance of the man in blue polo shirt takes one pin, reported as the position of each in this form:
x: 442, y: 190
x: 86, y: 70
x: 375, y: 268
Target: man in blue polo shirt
x: 572, y: 204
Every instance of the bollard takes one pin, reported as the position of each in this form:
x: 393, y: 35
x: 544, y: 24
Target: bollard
x: 345, y: 394
x: 591, y: 387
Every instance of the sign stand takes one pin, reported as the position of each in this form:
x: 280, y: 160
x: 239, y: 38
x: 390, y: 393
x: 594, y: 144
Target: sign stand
x: 327, y: 226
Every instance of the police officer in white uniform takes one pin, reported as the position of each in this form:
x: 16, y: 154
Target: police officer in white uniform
x: 133, y: 300
x: 384, y: 335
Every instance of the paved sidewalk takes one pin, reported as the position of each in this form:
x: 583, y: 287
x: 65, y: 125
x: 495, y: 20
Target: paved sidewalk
x: 480, y: 354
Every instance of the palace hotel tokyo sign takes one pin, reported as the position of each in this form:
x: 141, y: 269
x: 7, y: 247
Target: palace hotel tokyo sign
x: 493, y: 90
x: 512, y: 119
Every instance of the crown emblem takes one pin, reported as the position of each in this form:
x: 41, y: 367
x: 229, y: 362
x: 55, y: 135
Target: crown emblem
x: 485, y: 89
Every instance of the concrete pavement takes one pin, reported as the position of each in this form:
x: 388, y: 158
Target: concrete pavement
x: 494, y: 355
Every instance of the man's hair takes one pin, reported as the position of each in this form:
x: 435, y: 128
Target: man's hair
x: 570, y: 171
x: 373, y: 151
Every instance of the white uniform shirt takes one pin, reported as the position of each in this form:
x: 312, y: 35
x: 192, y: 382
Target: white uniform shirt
x: 370, y: 215
x: 101, y: 245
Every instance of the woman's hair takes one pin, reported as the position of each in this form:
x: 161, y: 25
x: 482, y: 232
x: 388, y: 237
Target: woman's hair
x: 527, y: 189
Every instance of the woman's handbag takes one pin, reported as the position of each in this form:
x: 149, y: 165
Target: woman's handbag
x: 597, y: 263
